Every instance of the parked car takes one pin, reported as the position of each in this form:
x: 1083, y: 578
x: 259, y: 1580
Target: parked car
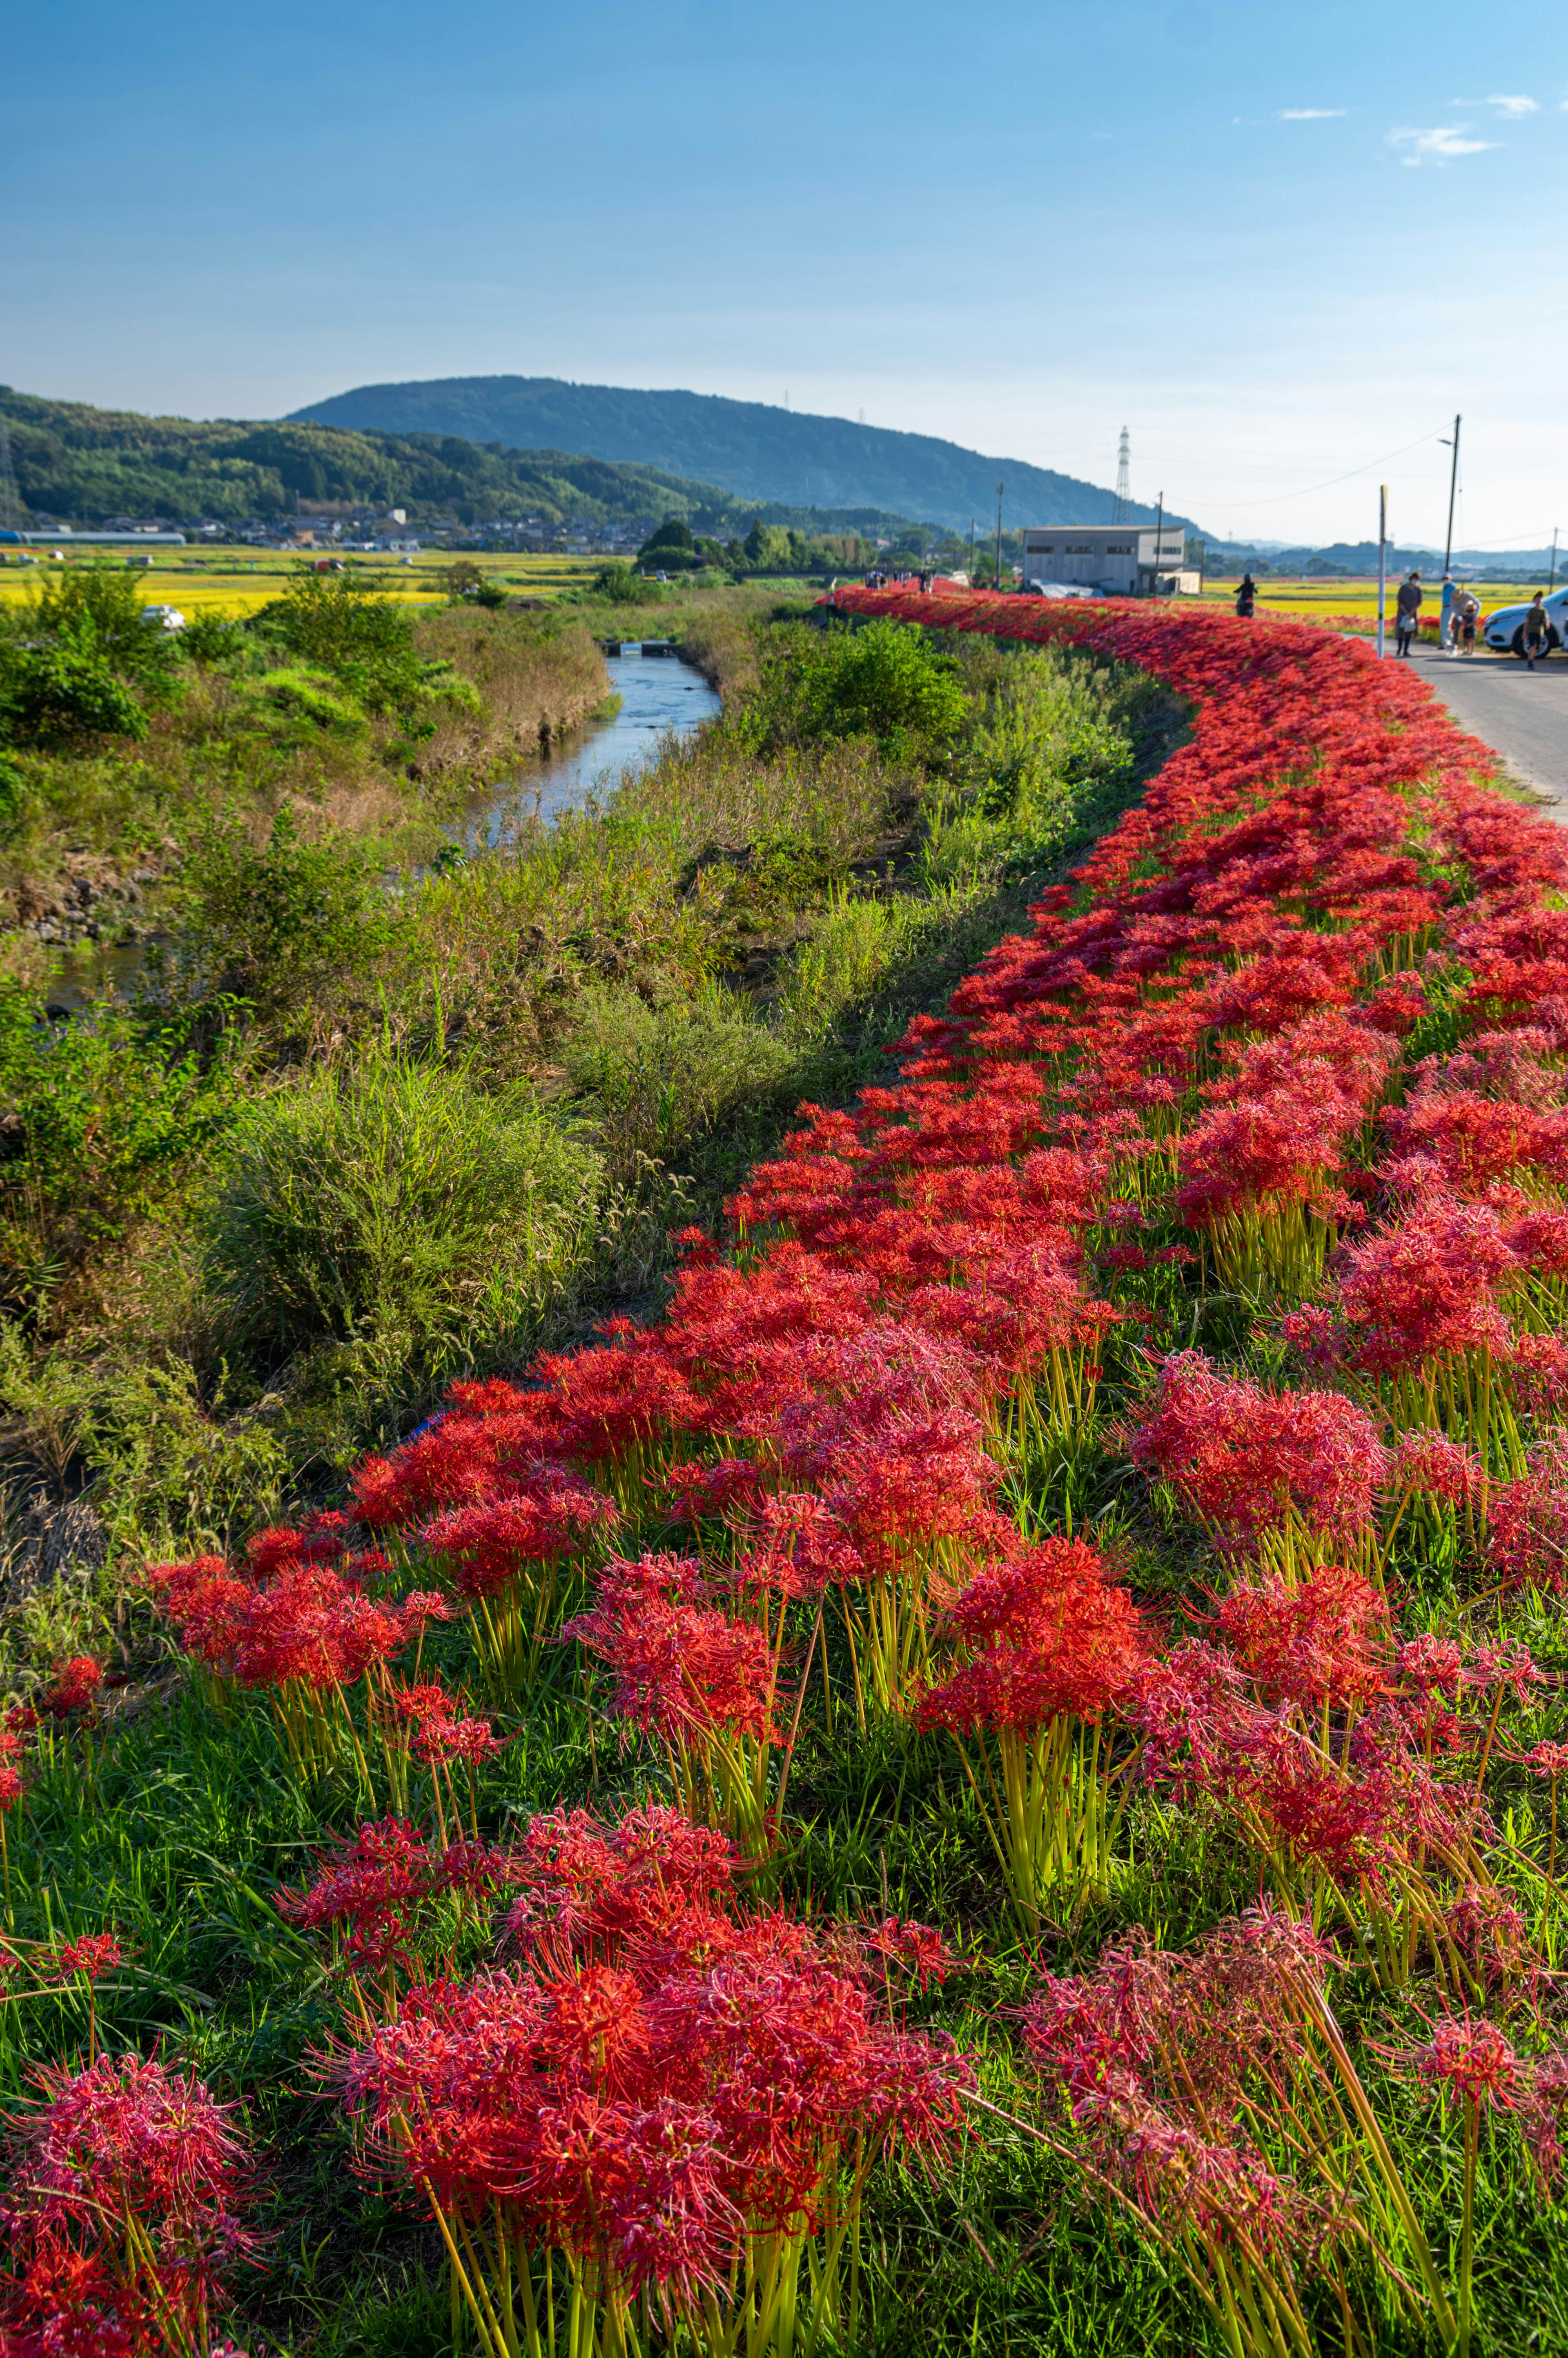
x: 164, y: 618
x: 1505, y: 628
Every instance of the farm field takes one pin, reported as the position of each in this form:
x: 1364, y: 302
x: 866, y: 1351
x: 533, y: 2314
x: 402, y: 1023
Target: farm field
x: 978, y: 1768
x: 1311, y: 601
x: 235, y: 582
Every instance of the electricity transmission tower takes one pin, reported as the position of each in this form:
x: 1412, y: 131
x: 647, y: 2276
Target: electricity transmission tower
x: 1120, y: 512
x: 10, y: 500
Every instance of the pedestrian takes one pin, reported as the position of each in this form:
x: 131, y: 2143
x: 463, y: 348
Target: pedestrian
x: 1406, y: 613
x: 1246, y: 597
x: 1537, y: 630
x: 1469, y: 612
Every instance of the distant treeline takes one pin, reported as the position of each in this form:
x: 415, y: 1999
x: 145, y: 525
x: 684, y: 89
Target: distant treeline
x: 75, y: 462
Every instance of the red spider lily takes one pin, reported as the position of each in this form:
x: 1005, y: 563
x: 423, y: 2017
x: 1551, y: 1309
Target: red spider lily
x: 382, y: 1896
x: 425, y: 1723
x: 124, y: 2221
x: 1160, y: 2058
x: 94, y: 1954
x: 76, y: 1687
x: 705, y: 1685
x: 690, y: 2119
x: 306, y: 1637
x: 1286, y: 1473
x: 1322, y: 1645
x: 1050, y: 1646
x: 1527, y: 1520
x: 594, y: 1889
x: 504, y: 1556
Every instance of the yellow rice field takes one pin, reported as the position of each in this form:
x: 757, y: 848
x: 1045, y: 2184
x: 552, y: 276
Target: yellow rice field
x: 236, y: 581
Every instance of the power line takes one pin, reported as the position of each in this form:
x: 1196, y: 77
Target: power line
x: 1277, y: 499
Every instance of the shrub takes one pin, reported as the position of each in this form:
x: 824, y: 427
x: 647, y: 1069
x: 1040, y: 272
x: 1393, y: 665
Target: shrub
x: 100, y: 611
x: 104, y: 1115
x: 884, y: 682
x: 65, y: 688
x: 661, y: 1076
x: 395, y: 1207
x: 277, y: 923
x: 312, y: 696
x: 366, y: 642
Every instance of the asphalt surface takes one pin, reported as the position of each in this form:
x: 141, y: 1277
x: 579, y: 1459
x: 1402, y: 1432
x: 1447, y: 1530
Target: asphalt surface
x: 1521, y: 714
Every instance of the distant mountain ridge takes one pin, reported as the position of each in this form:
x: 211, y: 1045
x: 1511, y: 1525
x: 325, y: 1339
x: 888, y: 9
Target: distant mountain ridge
x: 74, y: 460
x: 756, y: 451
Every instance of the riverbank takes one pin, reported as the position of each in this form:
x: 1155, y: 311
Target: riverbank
x: 341, y: 1146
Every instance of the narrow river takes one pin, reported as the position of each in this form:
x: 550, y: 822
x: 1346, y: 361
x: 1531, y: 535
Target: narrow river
x: 657, y: 693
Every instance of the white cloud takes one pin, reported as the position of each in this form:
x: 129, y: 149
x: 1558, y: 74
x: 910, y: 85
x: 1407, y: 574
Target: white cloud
x: 1316, y: 113
x: 1510, y: 107
x: 1438, y: 145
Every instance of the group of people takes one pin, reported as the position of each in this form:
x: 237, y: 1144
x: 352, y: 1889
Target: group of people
x: 1460, y: 619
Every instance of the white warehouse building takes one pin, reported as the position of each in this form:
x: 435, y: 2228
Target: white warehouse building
x: 1122, y: 559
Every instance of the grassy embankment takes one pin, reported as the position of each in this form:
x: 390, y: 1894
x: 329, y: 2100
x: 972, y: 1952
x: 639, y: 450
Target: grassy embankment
x: 344, y: 1143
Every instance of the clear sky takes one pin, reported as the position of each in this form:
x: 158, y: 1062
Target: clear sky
x: 1278, y: 242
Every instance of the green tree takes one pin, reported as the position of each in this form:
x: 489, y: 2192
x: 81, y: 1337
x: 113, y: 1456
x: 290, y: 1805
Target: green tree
x: 98, y: 612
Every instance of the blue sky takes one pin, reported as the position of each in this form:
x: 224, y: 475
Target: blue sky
x: 1280, y: 243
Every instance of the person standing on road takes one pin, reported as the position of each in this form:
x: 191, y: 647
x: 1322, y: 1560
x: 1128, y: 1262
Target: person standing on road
x: 1406, y: 613
x: 1468, y: 612
x: 1537, y: 627
x: 1246, y: 597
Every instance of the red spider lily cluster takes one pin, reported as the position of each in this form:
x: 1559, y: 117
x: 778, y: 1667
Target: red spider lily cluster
x: 1295, y: 1039
x: 125, y: 2223
x: 669, y: 2097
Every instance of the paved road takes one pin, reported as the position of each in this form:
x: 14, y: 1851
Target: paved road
x: 1523, y: 713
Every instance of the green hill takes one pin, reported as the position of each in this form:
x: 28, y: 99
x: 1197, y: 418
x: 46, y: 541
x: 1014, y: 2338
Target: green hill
x: 761, y: 452
x: 78, y: 464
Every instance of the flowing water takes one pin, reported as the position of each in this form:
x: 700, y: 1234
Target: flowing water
x: 657, y: 693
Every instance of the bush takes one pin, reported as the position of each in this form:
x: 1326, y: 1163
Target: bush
x: 273, y: 925
x: 103, y: 1116
x: 660, y: 1078
x: 213, y: 640
x: 396, y: 1208
x: 366, y: 642
x: 885, y: 682
x: 622, y: 585
x: 313, y: 697
x: 100, y: 611
x: 64, y: 689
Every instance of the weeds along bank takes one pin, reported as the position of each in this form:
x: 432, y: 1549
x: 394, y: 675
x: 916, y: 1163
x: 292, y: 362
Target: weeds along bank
x: 354, y: 1134
x: 125, y: 748
x: 991, y: 1778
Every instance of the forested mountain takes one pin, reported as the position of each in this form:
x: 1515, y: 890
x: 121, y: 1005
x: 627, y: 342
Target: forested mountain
x: 75, y: 463
x: 758, y: 451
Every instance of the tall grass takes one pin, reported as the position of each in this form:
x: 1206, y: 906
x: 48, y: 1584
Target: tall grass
x: 397, y: 1209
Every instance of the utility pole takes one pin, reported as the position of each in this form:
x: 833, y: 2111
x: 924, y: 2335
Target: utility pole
x: 998, y: 492
x: 1552, y: 583
x: 1448, y: 543
x: 1383, y: 560
x: 1159, y: 529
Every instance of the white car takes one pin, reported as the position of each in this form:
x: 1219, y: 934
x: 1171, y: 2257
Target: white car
x: 1505, y: 628
x: 164, y: 618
